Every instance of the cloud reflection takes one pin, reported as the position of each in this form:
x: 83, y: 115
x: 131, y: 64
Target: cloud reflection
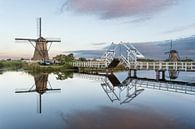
x: 115, y: 118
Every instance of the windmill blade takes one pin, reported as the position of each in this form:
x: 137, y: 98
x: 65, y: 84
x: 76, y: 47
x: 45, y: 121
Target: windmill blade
x: 57, y: 89
x: 25, y: 39
x: 27, y: 91
x: 39, y: 104
x: 39, y: 27
x: 53, y: 39
x: 37, y: 49
x: 167, y: 52
x: 49, y: 46
x: 171, y: 45
x: 53, y: 92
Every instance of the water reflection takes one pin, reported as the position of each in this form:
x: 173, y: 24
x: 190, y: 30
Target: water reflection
x: 64, y: 75
x: 115, y: 118
x: 115, y: 89
x: 173, y: 74
x: 128, y: 89
x: 41, y: 86
x: 112, y: 101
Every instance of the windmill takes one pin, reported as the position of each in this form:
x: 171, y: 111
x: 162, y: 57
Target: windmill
x: 173, y: 54
x: 173, y: 57
x: 173, y: 74
x: 40, y: 46
x: 41, y: 87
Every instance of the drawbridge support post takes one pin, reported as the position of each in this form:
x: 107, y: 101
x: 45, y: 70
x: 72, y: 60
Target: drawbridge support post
x: 132, y: 73
x: 160, y: 75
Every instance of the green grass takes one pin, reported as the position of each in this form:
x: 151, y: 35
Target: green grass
x: 33, y: 67
x: 36, y: 68
x: 15, y: 65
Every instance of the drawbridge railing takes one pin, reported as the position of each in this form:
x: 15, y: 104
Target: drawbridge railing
x: 139, y: 65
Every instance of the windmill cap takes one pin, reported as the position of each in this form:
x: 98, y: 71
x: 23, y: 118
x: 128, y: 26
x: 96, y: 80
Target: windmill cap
x: 173, y: 51
x: 41, y: 39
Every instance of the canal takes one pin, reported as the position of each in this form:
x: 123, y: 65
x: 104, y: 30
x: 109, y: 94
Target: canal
x: 79, y: 101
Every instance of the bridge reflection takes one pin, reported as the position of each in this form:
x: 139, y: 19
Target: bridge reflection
x: 41, y: 86
x: 128, y: 89
x: 120, y: 91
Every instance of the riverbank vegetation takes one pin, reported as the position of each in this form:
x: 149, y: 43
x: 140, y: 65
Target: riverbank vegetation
x: 35, y: 67
x: 61, y: 63
x: 11, y: 64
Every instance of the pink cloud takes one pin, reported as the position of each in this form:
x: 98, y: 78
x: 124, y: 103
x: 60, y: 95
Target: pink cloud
x: 107, y: 9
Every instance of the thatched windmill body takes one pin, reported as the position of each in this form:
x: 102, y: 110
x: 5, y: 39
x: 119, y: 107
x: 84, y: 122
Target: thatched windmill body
x: 41, y: 45
x: 173, y: 57
x: 173, y: 54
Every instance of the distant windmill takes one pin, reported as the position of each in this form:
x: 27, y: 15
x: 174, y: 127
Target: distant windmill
x: 173, y: 74
x: 41, y: 45
x: 173, y: 54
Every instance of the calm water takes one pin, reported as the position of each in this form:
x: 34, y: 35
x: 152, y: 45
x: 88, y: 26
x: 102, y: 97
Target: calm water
x: 78, y: 101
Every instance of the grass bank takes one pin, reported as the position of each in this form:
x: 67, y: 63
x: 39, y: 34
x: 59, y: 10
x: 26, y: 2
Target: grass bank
x: 36, y: 68
x: 11, y: 65
x: 33, y: 67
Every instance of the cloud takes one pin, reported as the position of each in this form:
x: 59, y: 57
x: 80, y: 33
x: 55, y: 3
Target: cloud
x: 87, y: 53
x: 138, y: 20
x: 181, y: 28
x: 108, y: 9
x: 99, y: 44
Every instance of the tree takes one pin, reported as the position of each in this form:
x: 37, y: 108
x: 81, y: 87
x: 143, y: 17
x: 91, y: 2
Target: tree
x: 62, y: 59
x: 82, y: 59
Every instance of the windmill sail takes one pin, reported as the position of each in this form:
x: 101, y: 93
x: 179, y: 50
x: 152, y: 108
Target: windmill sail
x: 41, y: 50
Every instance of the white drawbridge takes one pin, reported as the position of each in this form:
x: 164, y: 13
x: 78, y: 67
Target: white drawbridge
x: 125, y: 53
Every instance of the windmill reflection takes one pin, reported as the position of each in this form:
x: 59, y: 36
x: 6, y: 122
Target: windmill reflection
x: 173, y: 74
x: 128, y: 89
x: 41, y: 86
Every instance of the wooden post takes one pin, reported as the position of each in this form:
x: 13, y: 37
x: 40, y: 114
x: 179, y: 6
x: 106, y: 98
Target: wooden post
x: 163, y: 75
x: 147, y: 65
x: 157, y: 75
x: 129, y: 73
x: 135, y: 73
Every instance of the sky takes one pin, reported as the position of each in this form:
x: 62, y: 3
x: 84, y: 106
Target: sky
x: 92, y: 24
